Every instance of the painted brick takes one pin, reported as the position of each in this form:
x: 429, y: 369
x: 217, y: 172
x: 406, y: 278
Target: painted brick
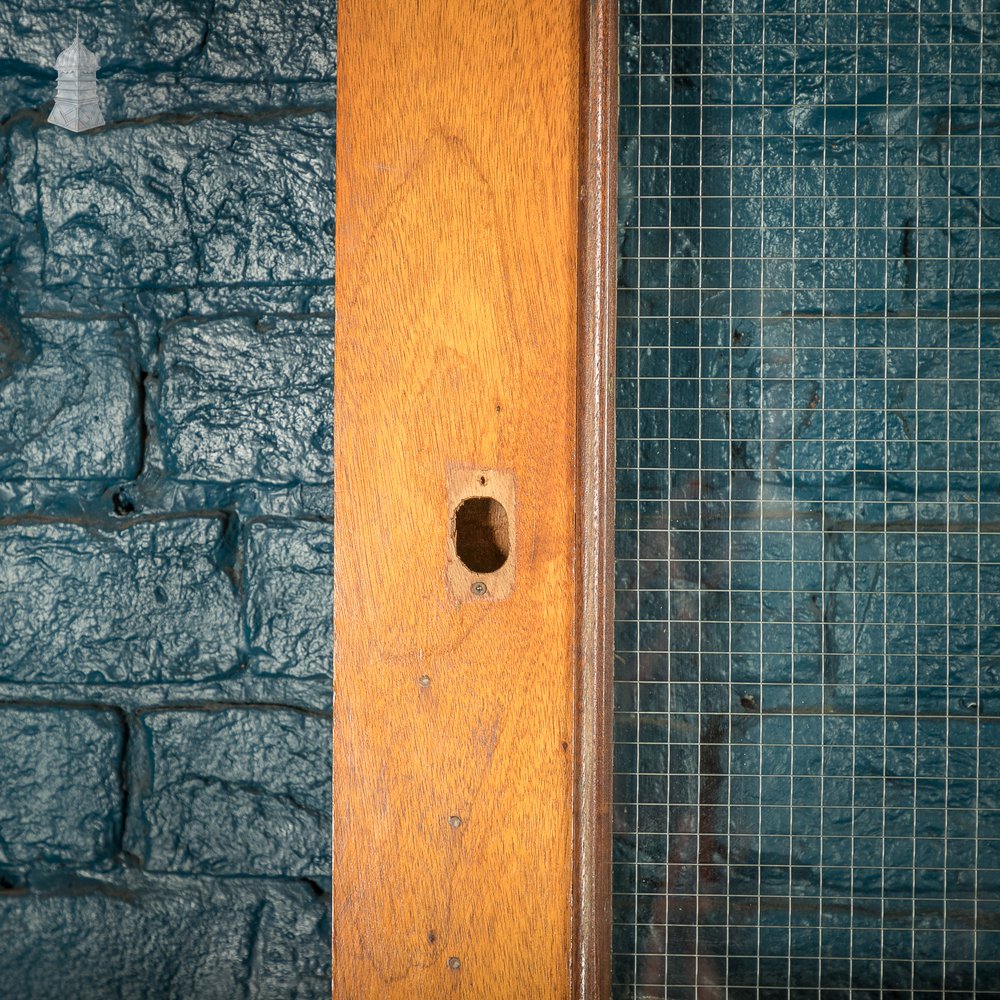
x: 150, y: 602
x: 208, y: 199
x: 61, y: 801
x: 236, y: 791
x: 165, y: 939
x: 232, y: 52
x: 289, y: 585
x: 278, y: 31
x: 212, y: 201
x: 67, y: 401
x: 237, y: 403
x: 34, y: 32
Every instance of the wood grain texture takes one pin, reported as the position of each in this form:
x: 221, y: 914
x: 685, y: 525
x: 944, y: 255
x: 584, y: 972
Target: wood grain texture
x: 459, y: 345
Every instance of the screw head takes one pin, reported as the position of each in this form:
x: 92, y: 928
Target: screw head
x: 425, y: 681
x: 479, y: 588
x: 454, y: 962
x: 455, y: 821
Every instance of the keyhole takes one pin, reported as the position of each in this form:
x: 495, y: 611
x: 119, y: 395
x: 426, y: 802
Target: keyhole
x: 482, y: 534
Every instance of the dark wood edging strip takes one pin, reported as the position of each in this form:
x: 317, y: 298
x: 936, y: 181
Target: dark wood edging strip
x: 595, y: 512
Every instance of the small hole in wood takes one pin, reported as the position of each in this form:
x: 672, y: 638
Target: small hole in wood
x: 482, y: 534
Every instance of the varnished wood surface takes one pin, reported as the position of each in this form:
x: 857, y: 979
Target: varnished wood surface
x: 595, y: 504
x: 458, y: 346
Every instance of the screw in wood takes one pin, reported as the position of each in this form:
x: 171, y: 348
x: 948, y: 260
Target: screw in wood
x: 479, y: 588
x: 455, y: 821
x: 454, y: 962
x: 425, y: 681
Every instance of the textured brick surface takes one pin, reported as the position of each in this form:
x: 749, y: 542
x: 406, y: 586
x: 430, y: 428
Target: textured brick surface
x: 238, y: 401
x: 178, y: 55
x: 149, y: 602
x: 236, y: 792
x: 166, y: 360
x: 211, y: 201
x: 153, y: 938
x: 289, y: 573
x: 67, y: 401
x: 62, y: 797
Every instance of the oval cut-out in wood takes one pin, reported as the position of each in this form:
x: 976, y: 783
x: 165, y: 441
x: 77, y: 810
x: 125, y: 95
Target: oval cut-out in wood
x: 482, y: 535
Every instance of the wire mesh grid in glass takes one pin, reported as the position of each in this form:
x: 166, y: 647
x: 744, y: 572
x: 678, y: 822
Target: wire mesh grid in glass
x: 807, y: 758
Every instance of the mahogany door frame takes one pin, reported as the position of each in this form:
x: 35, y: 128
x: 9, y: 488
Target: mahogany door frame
x: 366, y: 876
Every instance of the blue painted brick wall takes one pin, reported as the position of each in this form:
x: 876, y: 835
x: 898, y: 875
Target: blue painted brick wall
x: 166, y: 363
